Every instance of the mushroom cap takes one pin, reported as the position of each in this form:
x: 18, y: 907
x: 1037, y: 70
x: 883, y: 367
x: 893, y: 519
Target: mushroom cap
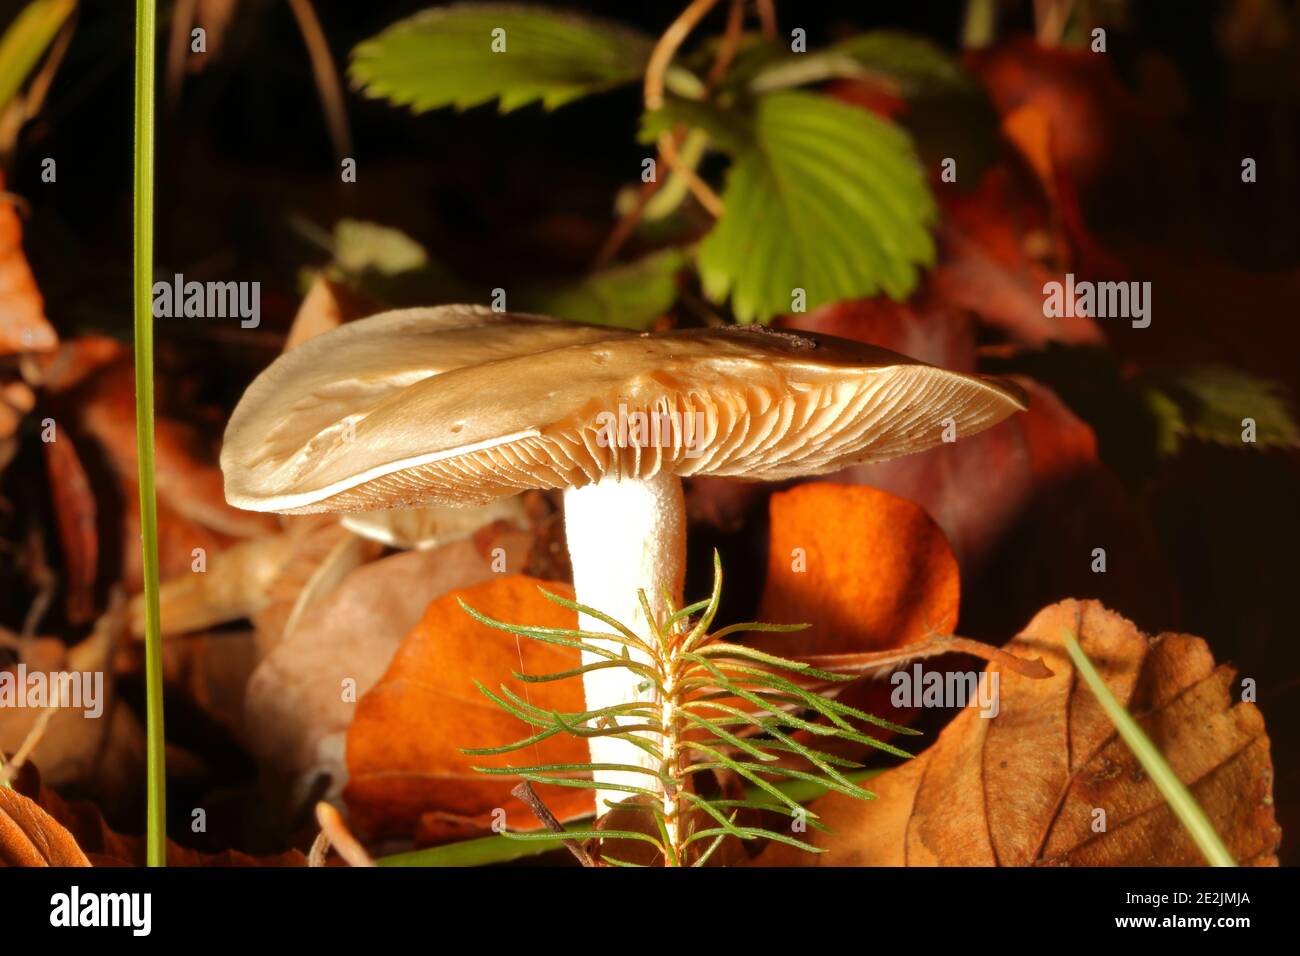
x: 459, y: 405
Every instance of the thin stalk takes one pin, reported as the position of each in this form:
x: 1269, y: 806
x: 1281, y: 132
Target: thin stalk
x: 1177, y: 795
x: 145, y: 25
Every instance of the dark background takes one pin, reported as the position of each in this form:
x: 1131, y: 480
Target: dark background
x: 245, y: 158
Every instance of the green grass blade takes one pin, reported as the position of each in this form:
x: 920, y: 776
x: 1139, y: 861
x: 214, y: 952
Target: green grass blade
x: 1177, y: 795
x: 25, y: 41
x: 145, y: 33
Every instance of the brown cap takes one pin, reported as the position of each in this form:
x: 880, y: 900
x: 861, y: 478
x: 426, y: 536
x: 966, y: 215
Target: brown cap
x: 459, y: 405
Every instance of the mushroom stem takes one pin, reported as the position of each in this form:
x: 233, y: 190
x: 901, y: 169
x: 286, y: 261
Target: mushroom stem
x: 624, y: 536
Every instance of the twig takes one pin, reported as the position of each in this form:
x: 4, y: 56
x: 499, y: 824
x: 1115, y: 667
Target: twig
x: 730, y: 41
x: 334, y: 832
x: 936, y: 646
x: 47, y: 583
x: 525, y: 792
x: 10, y: 770
x: 701, y: 190
x: 662, y: 55
x: 320, y: 848
x: 327, y: 78
x: 656, y: 69
x: 654, y: 86
x: 767, y: 18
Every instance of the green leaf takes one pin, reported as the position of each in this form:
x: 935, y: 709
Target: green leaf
x: 26, y: 40
x: 1210, y: 403
x: 948, y: 113
x: 628, y: 296
x: 830, y: 200
x: 919, y: 67
x: 389, y: 266
x: 361, y: 247
x: 729, y: 130
x: 910, y: 65
x: 446, y: 57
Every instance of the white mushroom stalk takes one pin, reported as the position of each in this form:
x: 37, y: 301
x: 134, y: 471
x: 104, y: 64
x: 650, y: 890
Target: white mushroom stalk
x: 624, y: 536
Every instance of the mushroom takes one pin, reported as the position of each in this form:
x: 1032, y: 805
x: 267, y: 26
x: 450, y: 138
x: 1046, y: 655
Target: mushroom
x: 460, y: 405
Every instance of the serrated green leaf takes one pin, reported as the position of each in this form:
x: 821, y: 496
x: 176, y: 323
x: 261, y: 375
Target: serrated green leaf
x: 1210, y: 403
x: 948, y: 113
x: 26, y: 40
x: 445, y: 57
x: 830, y: 200
x: 627, y: 296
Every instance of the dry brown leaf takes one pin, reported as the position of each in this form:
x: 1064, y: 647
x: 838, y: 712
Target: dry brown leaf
x: 104, y: 754
x: 296, y: 711
x: 31, y: 837
x: 404, y: 747
x: 324, y: 554
x: 234, y: 584
x: 73, y: 833
x: 188, y: 479
x: 326, y: 306
x: 75, y: 517
x: 1022, y: 788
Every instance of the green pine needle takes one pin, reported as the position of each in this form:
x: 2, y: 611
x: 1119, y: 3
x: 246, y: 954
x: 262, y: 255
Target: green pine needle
x: 699, y: 678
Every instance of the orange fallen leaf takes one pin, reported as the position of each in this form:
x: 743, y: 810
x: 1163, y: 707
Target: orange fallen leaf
x: 866, y: 569
x: 404, y: 756
x: 1024, y: 787
x: 23, y: 326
